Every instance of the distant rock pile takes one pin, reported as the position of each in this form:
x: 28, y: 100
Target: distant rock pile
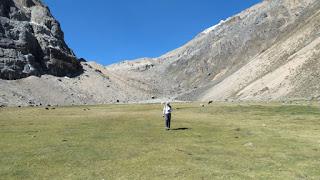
x: 32, y: 42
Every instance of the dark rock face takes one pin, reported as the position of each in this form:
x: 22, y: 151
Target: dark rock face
x: 32, y: 42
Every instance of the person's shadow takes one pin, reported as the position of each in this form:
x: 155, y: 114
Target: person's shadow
x: 179, y: 129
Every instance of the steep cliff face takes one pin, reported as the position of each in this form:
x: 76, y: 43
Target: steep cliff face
x: 32, y: 43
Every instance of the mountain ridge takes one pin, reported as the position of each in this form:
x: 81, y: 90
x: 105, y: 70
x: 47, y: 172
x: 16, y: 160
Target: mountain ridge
x: 269, y: 52
x: 269, y: 21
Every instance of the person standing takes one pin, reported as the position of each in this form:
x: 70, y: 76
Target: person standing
x: 167, y: 109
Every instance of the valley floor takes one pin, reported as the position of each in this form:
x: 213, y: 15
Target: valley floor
x: 219, y: 141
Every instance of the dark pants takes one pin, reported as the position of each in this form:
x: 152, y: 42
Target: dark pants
x: 168, y: 120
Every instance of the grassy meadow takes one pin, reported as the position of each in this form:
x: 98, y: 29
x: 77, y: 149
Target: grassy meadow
x: 219, y: 141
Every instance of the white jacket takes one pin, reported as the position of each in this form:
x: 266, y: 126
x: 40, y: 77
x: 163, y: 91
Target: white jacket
x: 167, y: 110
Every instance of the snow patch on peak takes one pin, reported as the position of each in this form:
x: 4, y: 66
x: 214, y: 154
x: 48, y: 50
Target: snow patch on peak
x: 210, y: 29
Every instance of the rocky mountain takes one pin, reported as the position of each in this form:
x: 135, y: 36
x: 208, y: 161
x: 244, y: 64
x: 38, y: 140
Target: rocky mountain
x: 32, y: 42
x: 269, y: 52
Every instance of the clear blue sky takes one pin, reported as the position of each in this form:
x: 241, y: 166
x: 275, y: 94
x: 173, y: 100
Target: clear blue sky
x: 108, y: 31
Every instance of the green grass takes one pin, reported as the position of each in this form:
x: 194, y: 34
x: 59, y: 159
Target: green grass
x: 222, y: 141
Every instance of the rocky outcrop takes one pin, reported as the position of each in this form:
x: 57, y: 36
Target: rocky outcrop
x: 32, y: 42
